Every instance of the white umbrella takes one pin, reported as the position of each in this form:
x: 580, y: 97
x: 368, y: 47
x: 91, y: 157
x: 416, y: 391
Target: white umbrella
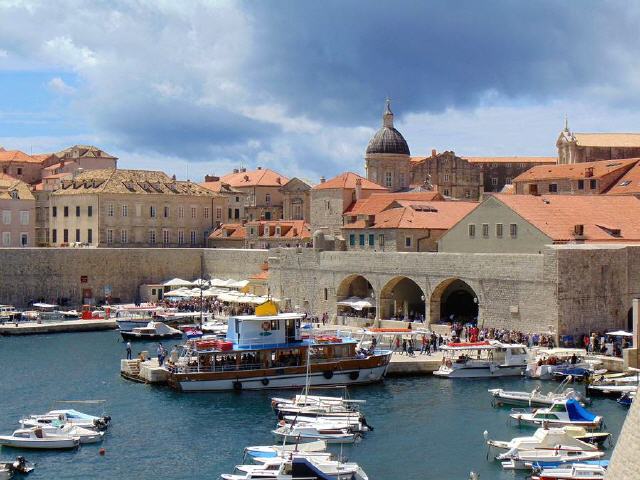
x: 177, y: 282
x: 620, y: 333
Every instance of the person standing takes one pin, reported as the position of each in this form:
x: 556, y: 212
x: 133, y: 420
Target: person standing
x: 160, y: 353
x: 404, y: 346
x: 128, y: 350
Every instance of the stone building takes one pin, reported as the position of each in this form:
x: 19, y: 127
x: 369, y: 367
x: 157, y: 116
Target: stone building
x: 235, y: 199
x: 262, y: 235
x: 331, y: 198
x: 526, y: 223
x: 574, y: 147
x: 17, y: 213
x: 263, y: 189
x: 70, y: 160
x: 132, y: 208
x: 448, y: 174
x: 296, y: 200
x: 628, y: 184
x: 20, y: 166
x: 498, y: 172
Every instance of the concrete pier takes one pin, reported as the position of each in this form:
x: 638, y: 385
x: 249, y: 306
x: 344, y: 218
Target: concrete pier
x: 402, y: 365
x: 34, y: 328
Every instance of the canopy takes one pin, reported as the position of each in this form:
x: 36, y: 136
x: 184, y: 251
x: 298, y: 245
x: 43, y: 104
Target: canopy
x: 238, y: 284
x: 358, y: 303
x: 577, y: 412
x: 183, y: 293
x: 620, y: 333
x: 177, y: 282
x: 44, y: 305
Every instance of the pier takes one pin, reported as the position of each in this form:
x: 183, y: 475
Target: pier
x: 66, y: 326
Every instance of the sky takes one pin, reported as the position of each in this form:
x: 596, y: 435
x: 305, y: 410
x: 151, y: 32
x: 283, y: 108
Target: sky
x: 205, y: 86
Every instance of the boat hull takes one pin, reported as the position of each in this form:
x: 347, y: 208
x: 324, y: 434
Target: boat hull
x: 39, y: 444
x: 128, y: 325
x: 149, y: 338
x: 481, y: 372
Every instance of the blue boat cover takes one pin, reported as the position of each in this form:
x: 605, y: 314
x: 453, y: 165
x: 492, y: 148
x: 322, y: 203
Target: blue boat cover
x: 577, y: 412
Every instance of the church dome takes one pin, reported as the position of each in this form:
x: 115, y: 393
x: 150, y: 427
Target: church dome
x: 388, y: 139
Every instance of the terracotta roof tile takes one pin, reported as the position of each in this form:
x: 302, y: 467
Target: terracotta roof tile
x: 233, y: 231
x: 608, y: 139
x: 219, y: 187
x: 515, y: 159
x: 17, y: 156
x: 575, y: 171
x: 347, y: 180
x: 262, y: 177
x: 293, y: 229
x: 557, y: 215
x: 629, y: 184
x: 377, y: 202
x: 9, y: 184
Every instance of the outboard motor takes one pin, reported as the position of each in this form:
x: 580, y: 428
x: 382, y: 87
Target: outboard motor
x: 363, y: 420
x: 19, y: 465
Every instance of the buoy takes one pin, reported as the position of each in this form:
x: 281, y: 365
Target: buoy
x: 102, y: 451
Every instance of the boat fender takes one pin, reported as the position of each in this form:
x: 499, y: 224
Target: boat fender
x: 328, y: 374
x: 237, y: 385
x: 354, y: 375
x: 265, y: 381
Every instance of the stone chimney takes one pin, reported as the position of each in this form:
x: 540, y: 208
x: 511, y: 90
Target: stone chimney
x: 259, y: 168
x: 243, y: 169
x: 358, y: 189
x: 434, y: 152
x: 235, y: 170
x: 211, y: 178
x: 322, y: 179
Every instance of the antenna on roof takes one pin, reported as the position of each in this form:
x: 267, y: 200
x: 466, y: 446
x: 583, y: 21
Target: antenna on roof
x: 566, y: 123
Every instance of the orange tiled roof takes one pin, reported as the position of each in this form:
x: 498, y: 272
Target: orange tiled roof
x: 9, y: 184
x: 293, y: 229
x: 262, y: 177
x: 232, y: 231
x: 219, y: 187
x: 515, y: 159
x: 557, y: 215
x: 575, y: 171
x: 629, y: 184
x: 41, y: 157
x: 419, y: 215
x: 17, y: 156
x: 263, y: 275
x: 377, y: 202
x: 608, y: 139
x: 347, y: 180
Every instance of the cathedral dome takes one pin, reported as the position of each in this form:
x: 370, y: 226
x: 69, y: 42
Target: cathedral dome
x: 388, y: 139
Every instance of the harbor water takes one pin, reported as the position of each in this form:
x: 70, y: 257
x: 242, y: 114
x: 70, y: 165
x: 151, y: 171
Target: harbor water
x: 425, y: 427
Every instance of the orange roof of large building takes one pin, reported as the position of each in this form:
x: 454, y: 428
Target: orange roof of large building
x: 629, y: 184
x: 233, y: 231
x: 436, y: 215
x: 219, y: 187
x: 618, y: 140
x: 9, y: 184
x: 17, y: 156
x: 347, y: 180
x: 260, y: 177
x: 604, y: 218
x: 378, y: 202
x: 515, y: 159
x: 576, y: 171
x: 293, y: 229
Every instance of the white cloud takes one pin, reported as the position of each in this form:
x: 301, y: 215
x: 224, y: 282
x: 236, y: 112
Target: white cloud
x: 58, y: 85
x: 64, y: 52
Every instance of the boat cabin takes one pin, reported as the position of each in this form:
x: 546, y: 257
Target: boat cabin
x: 252, y: 331
x: 495, y: 352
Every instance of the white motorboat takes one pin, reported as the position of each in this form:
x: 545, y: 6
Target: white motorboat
x: 38, y: 438
x: 318, y: 401
x: 67, y: 416
x: 303, y: 467
x: 215, y: 328
x: 151, y: 332
x: 524, y: 459
x: 562, y: 413
x: 482, y: 359
x: 352, y: 424
x: 544, y: 439
x: 268, y: 451
x: 84, y: 434
x: 577, y: 471
x: 534, y: 398
x: 295, y: 433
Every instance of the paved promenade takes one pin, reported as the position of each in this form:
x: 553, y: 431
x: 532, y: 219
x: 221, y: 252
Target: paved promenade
x: 34, y: 328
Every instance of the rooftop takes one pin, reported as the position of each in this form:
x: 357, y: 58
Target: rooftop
x: 629, y: 184
x: 388, y: 139
x: 83, y: 151
x: 17, y: 156
x: 347, y: 180
x: 607, y: 139
x: 219, y: 187
x: 293, y: 229
x: 378, y: 202
x: 261, y: 177
x: 233, y: 231
x: 9, y: 184
x: 576, y: 171
x: 514, y: 159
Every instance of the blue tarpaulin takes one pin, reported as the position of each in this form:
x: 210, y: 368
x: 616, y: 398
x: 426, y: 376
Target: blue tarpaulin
x: 578, y: 412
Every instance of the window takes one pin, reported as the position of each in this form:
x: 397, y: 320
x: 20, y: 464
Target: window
x: 494, y: 181
x: 236, y: 214
x: 508, y: 165
x: 352, y: 239
x: 361, y: 240
x: 401, y: 179
x: 19, y: 170
x: 180, y: 237
x: 205, y: 212
x: 593, y: 184
x: 166, y: 211
x: 230, y: 211
x: 326, y: 294
x: 508, y: 181
x: 485, y: 230
x: 553, y: 188
x: 446, y: 192
x: 24, y: 217
x: 152, y: 212
x: 110, y: 210
x: 371, y: 239
x: 54, y: 211
x: 180, y: 212
x: 381, y: 240
x: 446, y: 177
x: 219, y: 213
x: 165, y: 237
x: 125, y: 210
x: 65, y: 236
x: 513, y: 230
x: 193, y: 212
x: 267, y: 199
x: 499, y: 230
x: 54, y: 236
x: 66, y: 211
x: 194, y: 237
x: 109, y: 237
x: 77, y: 234
x: 580, y: 184
x: 77, y: 210
x: 124, y: 236
x: 89, y: 236
x: 407, y: 242
x: 138, y: 210
x: 388, y: 179
x: 237, y: 199
x: 6, y: 217
x: 14, y: 195
x: 472, y: 230
x: 24, y: 240
x: 152, y: 237
x: 6, y: 239
x: 267, y: 215
x: 90, y: 211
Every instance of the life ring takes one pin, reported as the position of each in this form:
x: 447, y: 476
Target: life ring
x: 237, y: 385
x: 328, y: 374
x: 266, y: 326
x: 354, y: 375
x: 265, y: 381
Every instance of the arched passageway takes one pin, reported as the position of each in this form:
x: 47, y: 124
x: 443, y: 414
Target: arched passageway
x: 355, y: 297
x: 454, y: 301
x: 402, y: 299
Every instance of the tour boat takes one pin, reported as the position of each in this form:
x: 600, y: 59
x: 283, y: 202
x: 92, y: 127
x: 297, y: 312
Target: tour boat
x: 525, y: 459
x: 577, y: 471
x: 561, y: 413
x: 267, y: 350
x: 296, y: 433
x: 544, y: 439
x: 534, y: 398
x: 151, y: 332
x: 482, y: 359
x: 38, y: 438
x: 68, y: 416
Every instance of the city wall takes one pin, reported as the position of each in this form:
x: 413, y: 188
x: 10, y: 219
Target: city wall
x: 49, y: 274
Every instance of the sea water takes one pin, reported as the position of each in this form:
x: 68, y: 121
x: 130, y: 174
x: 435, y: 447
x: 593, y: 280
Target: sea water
x: 424, y: 427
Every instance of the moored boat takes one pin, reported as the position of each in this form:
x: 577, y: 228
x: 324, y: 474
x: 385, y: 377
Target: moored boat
x: 304, y: 432
x: 535, y: 398
x: 152, y: 331
x: 525, y: 459
x: 38, y: 438
x: 561, y: 413
x: 67, y: 417
x: 578, y: 471
x: 544, y: 439
x: 482, y: 359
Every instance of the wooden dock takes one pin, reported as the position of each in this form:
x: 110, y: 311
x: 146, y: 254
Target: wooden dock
x: 34, y: 328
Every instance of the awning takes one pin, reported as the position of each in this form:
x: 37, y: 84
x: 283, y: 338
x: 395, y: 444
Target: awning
x: 358, y: 303
x: 620, y: 333
x: 44, y: 305
x: 177, y: 282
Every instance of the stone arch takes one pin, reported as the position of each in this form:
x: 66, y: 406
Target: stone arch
x: 402, y: 297
x: 456, y: 297
x: 356, y: 285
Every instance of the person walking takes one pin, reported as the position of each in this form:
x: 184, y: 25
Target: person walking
x: 160, y: 353
x: 404, y: 347
x: 128, y: 350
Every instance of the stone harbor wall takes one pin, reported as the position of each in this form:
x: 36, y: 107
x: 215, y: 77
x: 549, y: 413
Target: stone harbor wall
x: 49, y: 274
x: 625, y: 461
